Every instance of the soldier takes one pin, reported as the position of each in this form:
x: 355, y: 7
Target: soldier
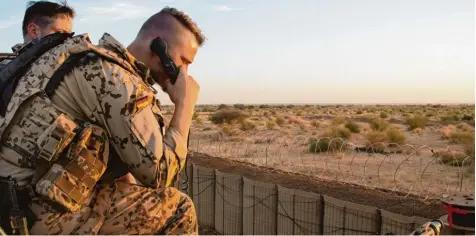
x: 80, y: 108
x: 42, y: 18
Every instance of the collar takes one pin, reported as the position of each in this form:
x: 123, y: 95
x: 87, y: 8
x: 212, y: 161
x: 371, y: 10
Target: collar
x: 110, y: 43
x: 17, y: 47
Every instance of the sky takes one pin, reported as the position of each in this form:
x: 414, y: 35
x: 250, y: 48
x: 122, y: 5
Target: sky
x: 304, y: 51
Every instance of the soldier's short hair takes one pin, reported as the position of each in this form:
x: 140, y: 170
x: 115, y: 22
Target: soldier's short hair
x: 43, y: 12
x: 182, y: 17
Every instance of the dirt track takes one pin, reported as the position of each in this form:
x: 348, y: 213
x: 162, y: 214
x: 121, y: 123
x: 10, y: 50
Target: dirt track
x: 392, y: 202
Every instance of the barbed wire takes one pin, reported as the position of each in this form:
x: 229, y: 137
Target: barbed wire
x: 409, y: 169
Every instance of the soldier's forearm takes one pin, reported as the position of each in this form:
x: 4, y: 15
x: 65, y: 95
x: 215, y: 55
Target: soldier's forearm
x: 182, y: 119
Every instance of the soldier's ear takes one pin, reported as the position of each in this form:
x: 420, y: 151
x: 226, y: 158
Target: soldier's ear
x: 33, y: 31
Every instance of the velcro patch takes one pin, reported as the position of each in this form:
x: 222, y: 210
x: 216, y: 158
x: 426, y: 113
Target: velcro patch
x: 142, y: 103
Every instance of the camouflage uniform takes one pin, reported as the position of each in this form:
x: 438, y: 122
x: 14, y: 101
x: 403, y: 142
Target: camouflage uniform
x: 107, y: 94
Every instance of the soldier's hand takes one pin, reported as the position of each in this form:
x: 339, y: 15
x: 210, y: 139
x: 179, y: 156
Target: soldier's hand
x: 185, y: 90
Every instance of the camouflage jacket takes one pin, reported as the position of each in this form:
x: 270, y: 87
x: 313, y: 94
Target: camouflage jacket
x: 104, y: 93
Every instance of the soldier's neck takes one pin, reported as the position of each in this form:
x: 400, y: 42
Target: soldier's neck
x: 136, y: 50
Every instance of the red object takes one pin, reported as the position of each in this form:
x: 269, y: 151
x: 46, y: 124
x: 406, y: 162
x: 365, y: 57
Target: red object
x: 450, y: 209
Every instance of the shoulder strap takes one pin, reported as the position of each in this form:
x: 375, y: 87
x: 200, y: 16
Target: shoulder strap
x: 76, y: 59
x: 12, y: 72
x: 62, y: 71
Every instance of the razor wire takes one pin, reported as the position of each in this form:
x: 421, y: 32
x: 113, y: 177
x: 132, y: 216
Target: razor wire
x: 401, y: 169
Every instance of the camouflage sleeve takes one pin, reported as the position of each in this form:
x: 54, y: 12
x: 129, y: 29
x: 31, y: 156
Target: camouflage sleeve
x: 127, y: 108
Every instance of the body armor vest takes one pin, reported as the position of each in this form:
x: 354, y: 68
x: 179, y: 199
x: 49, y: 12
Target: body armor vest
x: 69, y: 157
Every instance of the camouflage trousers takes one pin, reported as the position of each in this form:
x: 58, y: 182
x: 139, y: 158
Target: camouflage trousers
x: 123, y: 208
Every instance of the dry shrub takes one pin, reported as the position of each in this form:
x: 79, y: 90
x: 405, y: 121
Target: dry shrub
x: 247, y: 125
x: 295, y: 120
x: 223, y: 106
x: 460, y: 136
x: 416, y: 121
x: 270, y: 124
x: 418, y: 131
x: 315, y: 123
x: 353, y: 127
x: 395, y: 135
x: 375, y: 137
x: 239, y: 106
x: 359, y: 112
x: 452, y: 158
x: 447, y: 131
x: 377, y: 140
x: 227, y: 116
x: 337, y: 132
x: 378, y: 124
x: 280, y: 121
x: 228, y: 130
x: 198, y: 120
x: 465, y: 127
x: 338, y: 120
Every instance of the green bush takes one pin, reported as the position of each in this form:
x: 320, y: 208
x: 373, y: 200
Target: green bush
x: 353, y: 127
x: 326, y: 144
x: 383, y: 115
x: 467, y: 117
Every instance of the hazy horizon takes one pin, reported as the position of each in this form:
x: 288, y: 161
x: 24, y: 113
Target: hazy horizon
x: 305, y: 51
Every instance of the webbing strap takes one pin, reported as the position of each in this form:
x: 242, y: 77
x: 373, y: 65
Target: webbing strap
x: 13, y: 71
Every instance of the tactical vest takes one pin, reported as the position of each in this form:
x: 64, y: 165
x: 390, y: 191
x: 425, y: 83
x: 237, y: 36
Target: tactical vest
x: 5, y: 58
x: 68, y: 157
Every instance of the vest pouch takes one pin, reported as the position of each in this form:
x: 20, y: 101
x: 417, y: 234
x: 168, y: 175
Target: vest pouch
x: 70, y: 181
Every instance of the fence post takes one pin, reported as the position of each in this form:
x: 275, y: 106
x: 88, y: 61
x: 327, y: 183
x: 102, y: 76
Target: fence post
x: 294, y: 213
x: 379, y: 222
x: 223, y: 202
x: 254, y: 205
x: 276, y: 206
x: 323, y: 205
x: 266, y: 156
